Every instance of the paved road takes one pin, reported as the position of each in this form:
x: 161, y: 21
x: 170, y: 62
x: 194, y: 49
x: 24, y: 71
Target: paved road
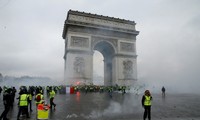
x: 99, y: 106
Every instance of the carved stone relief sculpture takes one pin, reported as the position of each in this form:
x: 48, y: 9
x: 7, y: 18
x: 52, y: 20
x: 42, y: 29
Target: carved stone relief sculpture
x: 128, y: 47
x: 79, y: 41
x: 128, y: 69
x: 79, y: 65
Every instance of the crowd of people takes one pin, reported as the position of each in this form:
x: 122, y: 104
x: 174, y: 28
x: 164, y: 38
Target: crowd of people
x: 25, y: 97
x: 27, y: 94
x: 96, y: 88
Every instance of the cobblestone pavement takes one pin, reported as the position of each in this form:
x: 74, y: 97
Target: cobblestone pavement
x: 100, y: 106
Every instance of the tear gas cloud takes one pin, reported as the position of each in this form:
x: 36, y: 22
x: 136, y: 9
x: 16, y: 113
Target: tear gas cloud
x: 127, y: 105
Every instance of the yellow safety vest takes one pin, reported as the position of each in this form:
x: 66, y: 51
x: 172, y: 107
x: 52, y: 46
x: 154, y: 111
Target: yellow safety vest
x: 147, y: 101
x: 30, y: 96
x: 52, y: 94
x: 23, y: 100
x: 41, y: 96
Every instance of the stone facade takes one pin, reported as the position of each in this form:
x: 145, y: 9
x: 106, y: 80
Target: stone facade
x: 115, y: 38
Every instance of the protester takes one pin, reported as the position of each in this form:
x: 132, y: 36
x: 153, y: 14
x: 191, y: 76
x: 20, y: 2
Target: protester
x: 23, y: 103
x: 7, y: 100
x: 146, y: 103
x: 52, y: 95
x: 163, y: 91
x: 39, y: 97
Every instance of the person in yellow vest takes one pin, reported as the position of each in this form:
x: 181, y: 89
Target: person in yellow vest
x: 146, y: 103
x: 23, y: 103
x: 52, y: 95
x: 39, y: 97
x: 42, y: 110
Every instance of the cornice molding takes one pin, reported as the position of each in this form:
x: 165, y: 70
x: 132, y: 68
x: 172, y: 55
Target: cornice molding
x: 76, y: 18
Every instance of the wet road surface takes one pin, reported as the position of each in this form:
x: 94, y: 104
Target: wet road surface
x: 100, y: 106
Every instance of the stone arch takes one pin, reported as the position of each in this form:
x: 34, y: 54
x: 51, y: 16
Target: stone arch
x: 113, y: 37
x: 101, y: 41
x: 105, y: 48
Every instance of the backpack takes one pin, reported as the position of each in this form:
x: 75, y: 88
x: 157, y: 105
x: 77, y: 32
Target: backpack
x: 38, y: 98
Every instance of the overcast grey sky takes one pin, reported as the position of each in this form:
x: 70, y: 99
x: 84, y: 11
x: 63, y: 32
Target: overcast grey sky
x: 168, y: 45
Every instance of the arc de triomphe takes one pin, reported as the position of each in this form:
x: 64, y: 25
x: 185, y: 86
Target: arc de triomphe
x: 113, y: 37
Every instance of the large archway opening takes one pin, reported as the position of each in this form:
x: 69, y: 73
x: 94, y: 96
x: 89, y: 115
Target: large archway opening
x: 107, y: 50
x: 98, y: 68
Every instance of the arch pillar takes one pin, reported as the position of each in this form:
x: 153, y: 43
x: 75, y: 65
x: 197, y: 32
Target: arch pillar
x: 108, y: 80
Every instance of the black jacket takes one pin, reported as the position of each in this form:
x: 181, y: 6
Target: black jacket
x: 7, y: 99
